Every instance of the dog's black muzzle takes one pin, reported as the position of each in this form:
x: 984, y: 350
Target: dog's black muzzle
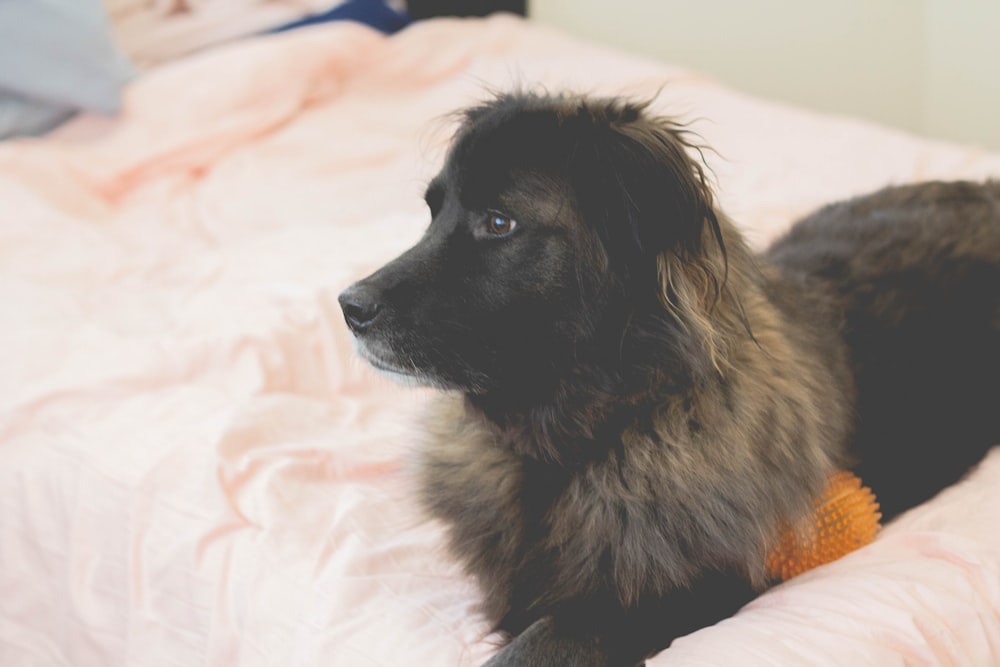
x: 396, y: 285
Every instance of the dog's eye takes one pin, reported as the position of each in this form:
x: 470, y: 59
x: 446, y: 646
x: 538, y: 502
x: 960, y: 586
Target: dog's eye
x: 498, y: 224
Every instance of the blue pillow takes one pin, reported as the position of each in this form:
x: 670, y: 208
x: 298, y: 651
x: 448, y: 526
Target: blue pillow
x: 373, y: 13
x: 57, y: 57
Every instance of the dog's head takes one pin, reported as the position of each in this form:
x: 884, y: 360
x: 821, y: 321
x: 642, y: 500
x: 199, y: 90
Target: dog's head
x: 569, y: 238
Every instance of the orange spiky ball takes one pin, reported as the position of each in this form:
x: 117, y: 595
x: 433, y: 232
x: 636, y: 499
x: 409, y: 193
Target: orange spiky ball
x: 845, y: 517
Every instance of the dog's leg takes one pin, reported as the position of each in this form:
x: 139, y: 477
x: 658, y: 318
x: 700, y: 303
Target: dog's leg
x: 589, y: 634
x: 543, y: 645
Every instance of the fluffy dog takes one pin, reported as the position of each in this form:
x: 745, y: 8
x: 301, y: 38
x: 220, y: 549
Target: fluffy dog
x: 635, y: 401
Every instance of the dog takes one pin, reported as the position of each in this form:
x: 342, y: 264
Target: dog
x: 634, y: 401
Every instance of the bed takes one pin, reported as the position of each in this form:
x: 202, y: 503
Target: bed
x: 195, y: 469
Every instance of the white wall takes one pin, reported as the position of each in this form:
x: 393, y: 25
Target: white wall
x: 928, y: 66
x: 961, y: 95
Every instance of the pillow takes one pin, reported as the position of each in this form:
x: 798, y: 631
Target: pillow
x: 151, y: 32
x: 58, y: 58
x: 373, y: 13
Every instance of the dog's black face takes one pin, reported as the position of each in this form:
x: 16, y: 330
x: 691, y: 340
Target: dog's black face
x: 547, y: 221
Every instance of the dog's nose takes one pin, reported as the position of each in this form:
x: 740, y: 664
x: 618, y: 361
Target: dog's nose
x: 360, y: 308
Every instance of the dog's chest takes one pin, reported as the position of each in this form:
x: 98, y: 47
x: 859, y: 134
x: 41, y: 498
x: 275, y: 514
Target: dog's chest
x: 535, y: 535
x: 477, y: 489
x: 480, y: 488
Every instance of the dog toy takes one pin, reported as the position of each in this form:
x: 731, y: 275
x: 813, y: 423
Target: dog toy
x: 845, y: 517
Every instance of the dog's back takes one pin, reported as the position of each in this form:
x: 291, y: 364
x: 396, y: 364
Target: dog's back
x: 915, y: 271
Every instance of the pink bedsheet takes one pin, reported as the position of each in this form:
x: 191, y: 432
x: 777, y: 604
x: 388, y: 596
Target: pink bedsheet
x: 194, y: 469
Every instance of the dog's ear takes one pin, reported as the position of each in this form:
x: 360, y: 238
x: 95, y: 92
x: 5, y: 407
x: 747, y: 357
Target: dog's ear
x: 659, y: 199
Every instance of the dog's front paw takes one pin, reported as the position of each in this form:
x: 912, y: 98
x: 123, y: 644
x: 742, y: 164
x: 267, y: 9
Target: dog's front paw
x: 541, y: 645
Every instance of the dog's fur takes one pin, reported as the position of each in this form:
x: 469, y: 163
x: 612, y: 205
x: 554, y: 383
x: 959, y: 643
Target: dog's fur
x: 636, y: 401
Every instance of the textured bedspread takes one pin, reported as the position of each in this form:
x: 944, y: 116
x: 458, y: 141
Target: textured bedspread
x: 194, y: 469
